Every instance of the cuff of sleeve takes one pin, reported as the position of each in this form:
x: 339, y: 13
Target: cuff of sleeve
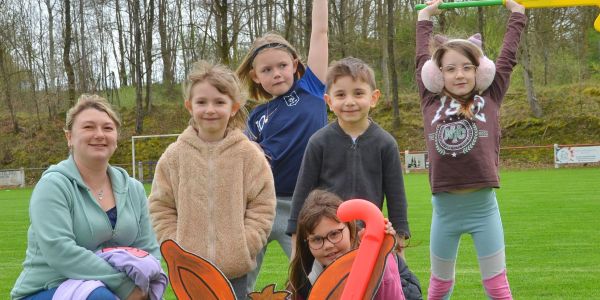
x: 403, y: 230
x: 125, y: 288
x: 291, y: 228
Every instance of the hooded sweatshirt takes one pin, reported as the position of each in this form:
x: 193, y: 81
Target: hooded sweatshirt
x: 216, y: 200
x: 68, y: 226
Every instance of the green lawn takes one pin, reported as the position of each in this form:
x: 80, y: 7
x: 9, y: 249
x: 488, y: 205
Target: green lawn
x: 551, y: 220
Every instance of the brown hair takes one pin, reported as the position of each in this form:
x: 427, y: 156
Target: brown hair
x: 270, y: 40
x: 319, y: 204
x: 353, y: 67
x: 86, y: 101
x: 468, y: 50
x: 225, y: 81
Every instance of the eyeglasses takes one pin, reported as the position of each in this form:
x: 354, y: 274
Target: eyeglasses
x: 452, y: 69
x: 335, y: 236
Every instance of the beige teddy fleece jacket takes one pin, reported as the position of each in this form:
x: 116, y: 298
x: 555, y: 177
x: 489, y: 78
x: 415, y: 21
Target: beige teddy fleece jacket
x: 216, y: 200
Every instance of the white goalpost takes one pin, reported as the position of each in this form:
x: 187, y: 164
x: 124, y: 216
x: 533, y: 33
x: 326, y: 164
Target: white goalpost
x: 137, y: 137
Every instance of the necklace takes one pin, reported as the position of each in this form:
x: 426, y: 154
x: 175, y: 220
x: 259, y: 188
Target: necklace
x: 100, y: 195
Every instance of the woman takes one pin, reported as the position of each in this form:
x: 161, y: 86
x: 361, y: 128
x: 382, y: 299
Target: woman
x: 82, y: 205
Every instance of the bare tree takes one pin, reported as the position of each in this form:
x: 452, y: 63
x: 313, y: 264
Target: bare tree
x: 149, y: 22
x: 135, y: 12
x: 167, y: 43
x: 220, y: 10
x: 4, y: 72
x: 536, y: 110
x: 67, y: 51
x: 392, y: 62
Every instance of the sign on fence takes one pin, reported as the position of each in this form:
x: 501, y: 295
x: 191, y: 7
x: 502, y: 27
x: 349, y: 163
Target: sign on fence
x: 576, y: 155
x: 12, y: 178
x: 415, y: 161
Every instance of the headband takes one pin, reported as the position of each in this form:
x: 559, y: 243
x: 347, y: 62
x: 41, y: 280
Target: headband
x: 267, y: 46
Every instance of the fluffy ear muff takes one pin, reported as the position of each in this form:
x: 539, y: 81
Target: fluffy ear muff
x: 485, y: 74
x: 432, y: 77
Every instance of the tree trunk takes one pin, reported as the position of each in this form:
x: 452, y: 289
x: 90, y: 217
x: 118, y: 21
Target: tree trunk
x: 83, y: 58
x: 392, y: 62
x: 536, y: 110
x: 220, y: 8
x: 51, y: 60
x: 289, y: 21
x: 307, y: 24
x: 67, y: 52
x: 166, y: 46
x: 134, y: 8
x: 149, y: 21
x: 4, y: 58
x: 385, y: 74
x: 122, y: 47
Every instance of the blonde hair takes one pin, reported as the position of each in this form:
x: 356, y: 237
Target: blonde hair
x: 353, y: 67
x: 86, y: 101
x: 268, y: 41
x: 225, y: 81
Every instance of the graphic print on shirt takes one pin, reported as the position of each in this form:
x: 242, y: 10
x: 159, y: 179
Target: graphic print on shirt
x: 454, y: 134
x: 292, y: 99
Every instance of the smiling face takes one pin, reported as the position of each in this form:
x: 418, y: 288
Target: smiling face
x: 351, y: 101
x: 459, y: 73
x: 211, y: 111
x: 274, y: 70
x: 93, y: 136
x: 329, y: 252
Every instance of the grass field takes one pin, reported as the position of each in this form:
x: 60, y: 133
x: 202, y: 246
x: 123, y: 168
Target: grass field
x: 552, y: 229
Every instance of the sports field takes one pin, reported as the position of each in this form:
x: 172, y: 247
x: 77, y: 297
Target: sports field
x: 551, y: 221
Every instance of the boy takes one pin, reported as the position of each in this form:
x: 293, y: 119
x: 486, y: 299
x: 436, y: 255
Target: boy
x: 352, y: 157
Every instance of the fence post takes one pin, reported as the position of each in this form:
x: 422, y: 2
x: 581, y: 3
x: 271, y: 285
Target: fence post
x: 556, y: 164
x: 406, y: 161
x: 140, y: 171
x: 22, y: 177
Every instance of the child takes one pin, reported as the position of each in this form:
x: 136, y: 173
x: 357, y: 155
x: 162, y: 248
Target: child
x: 461, y: 93
x: 213, y: 189
x: 322, y: 238
x: 353, y: 157
x: 294, y: 109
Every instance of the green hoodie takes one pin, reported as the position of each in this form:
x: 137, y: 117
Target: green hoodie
x: 68, y: 226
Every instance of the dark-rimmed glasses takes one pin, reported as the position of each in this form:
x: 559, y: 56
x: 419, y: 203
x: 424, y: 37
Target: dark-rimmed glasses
x: 335, y: 236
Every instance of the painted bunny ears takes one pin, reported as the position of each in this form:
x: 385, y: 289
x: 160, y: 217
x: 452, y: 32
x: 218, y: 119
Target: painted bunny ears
x: 432, y: 76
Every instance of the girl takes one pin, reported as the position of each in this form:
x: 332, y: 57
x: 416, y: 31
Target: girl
x: 213, y: 189
x: 322, y: 238
x: 461, y: 93
x: 292, y: 109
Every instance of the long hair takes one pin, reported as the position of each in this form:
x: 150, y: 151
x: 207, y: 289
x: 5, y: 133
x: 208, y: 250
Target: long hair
x: 270, y: 40
x: 440, y: 46
x: 319, y: 204
x: 225, y: 81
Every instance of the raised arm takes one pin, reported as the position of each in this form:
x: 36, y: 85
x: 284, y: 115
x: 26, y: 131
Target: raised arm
x: 507, y: 59
x: 424, y: 30
x: 318, y: 52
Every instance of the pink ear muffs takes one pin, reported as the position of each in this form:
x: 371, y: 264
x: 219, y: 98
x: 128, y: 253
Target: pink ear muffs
x: 433, y: 79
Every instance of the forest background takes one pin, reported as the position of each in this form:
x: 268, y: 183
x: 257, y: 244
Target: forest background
x: 136, y: 53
